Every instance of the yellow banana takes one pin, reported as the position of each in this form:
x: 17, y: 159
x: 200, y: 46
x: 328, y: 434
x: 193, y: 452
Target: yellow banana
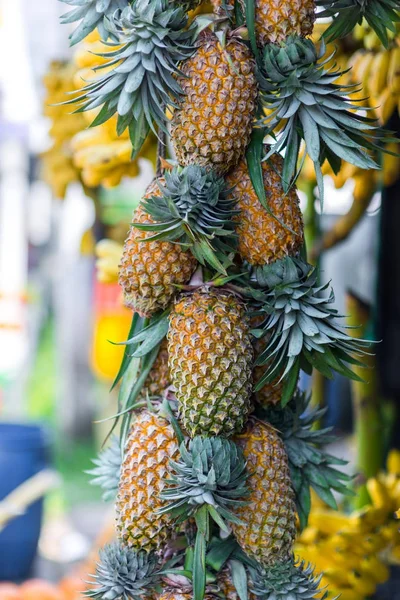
x: 379, y: 495
x: 387, y: 103
x: 328, y: 522
x: 380, y: 66
x: 375, y: 568
x: 394, y: 71
x: 362, y: 583
x: 393, y: 462
x: 391, y: 173
x: 345, y: 594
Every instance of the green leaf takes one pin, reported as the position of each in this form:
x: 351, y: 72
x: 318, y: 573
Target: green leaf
x: 254, y: 156
x: 250, y: 14
x: 137, y: 322
x: 239, y: 578
x: 290, y: 383
x: 199, y: 566
x: 219, y: 552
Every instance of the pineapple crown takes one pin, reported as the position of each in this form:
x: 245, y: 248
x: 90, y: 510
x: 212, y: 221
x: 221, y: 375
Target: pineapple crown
x: 107, y: 469
x: 301, y: 93
x: 91, y: 14
x: 123, y: 574
x: 381, y: 16
x: 310, y: 466
x: 210, y: 475
x: 194, y: 209
x: 152, y: 39
x: 286, y: 581
x: 302, y: 326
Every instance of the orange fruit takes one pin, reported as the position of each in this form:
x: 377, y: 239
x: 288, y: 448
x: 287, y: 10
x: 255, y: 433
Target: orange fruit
x: 38, y: 589
x: 9, y: 591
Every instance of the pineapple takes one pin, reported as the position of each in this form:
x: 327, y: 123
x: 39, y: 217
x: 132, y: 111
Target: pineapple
x: 149, y: 272
x: 268, y: 526
x: 107, y: 471
x: 158, y: 379
x: 151, y: 445
x: 262, y: 239
x: 276, y: 20
x: 182, y: 592
x: 227, y: 588
x: 212, y: 125
x: 124, y: 573
x: 210, y: 361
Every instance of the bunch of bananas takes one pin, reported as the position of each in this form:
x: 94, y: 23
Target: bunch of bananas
x: 366, y: 35
x: 58, y: 169
x: 103, y: 157
x: 108, y: 255
x: 352, y: 550
x: 378, y: 72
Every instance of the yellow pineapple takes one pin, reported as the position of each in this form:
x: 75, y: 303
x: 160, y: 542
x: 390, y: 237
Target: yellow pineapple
x: 149, y: 271
x: 158, y: 378
x: 212, y: 125
x: 276, y: 20
x: 268, y: 526
x: 151, y: 445
x: 210, y: 359
x: 262, y: 239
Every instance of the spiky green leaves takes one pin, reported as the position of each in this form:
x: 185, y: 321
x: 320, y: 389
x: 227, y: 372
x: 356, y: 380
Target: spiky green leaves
x: 206, y: 483
x: 194, y: 211
x: 211, y: 473
x: 124, y: 574
x: 286, y: 581
x: 107, y: 469
x: 381, y: 16
x: 301, y: 326
x: 310, y: 466
x: 152, y: 39
x: 303, y: 99
x: 91, y: 14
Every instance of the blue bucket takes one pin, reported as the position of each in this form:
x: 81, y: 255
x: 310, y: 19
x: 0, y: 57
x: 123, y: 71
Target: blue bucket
x: 24, y: 452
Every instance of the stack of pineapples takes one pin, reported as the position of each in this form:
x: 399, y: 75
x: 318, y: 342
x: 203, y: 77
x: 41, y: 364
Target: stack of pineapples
x: 217, y: 452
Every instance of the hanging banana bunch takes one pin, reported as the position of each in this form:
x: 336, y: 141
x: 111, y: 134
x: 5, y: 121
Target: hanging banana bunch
x: 353, y: 550
x: 218, y: 452
x: 58, y: 169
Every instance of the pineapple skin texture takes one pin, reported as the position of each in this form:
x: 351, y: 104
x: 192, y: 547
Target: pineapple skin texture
x: 276, y: 20
x: 271, y: 393
x: 150, y: 446
x: 158, y: 379
x: 213, y: 123
x: 210, y: 360
x: 269, y: 521
x: 177, y: 594
x: 261, y: 238
x: 149, y: 271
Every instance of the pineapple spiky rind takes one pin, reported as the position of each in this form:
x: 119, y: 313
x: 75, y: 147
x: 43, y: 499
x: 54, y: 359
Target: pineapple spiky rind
x: 381, y: 16
x: 193, y: 209
x: 107, y: 469
x: 150, y: 446
x: 153, y: 38
x: 263, y: 236
x: 310, y: 466
x: 212, y: 124
x: 301, y: 96
x: 276, y: 20
x: 268, y: 524
x: 92, y: 15
x: 287, y: 580
x: 211, y: 472
x: 210, y: 360
x: 124, y: 574
x: 150, y: 271
x: 302, y: 325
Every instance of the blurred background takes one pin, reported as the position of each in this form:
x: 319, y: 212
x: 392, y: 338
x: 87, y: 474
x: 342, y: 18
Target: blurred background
x: 65, y: 188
